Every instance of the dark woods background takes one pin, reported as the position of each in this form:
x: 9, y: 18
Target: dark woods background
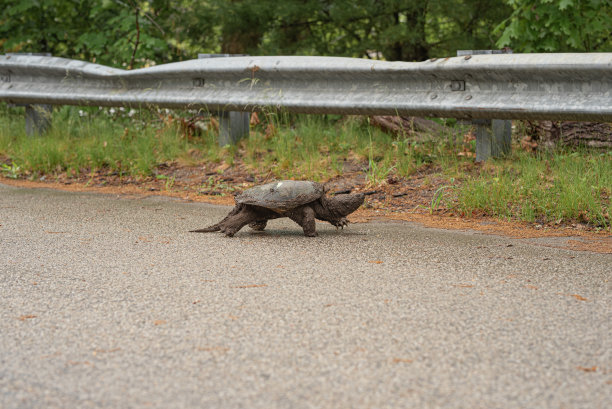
x: 136, y: 33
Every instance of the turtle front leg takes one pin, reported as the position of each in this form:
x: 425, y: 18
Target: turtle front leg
x: 239, y: 217
x: 246, y: 215
x: 305, y: 217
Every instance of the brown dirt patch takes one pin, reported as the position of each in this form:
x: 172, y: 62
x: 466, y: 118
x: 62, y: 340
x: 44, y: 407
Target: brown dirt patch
x: 596, y: 244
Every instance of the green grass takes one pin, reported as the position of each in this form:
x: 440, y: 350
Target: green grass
x: 316, y: 147
x: 547, y: 188
x: 75, y: 145
x: 557, y: 187
x: 289, y: 146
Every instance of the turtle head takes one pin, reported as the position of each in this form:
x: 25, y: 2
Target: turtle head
x: 344, y: 204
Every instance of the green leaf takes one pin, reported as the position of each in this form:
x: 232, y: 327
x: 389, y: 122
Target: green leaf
x: 21, y: 7
x: 93, y: 40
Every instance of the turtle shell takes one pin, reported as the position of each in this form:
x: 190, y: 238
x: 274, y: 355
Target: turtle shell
x: 283, y: 195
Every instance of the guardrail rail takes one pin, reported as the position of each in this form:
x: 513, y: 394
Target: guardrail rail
x: 501, y: 86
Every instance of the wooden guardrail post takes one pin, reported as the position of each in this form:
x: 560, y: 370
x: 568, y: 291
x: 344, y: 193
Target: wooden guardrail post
x: 37, y: 119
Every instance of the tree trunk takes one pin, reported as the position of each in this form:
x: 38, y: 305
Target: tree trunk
x: 242, y: 33
x: 413, y: 48
x: 417, y: 50
x: 548, y: 134
x: 239, y: 42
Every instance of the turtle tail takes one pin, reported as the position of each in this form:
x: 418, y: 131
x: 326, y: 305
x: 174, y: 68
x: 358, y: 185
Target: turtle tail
x: 214, y: 227
x: 217, y: 226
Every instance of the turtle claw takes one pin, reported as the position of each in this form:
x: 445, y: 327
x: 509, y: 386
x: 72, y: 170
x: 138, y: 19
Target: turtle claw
x: 341, y: 223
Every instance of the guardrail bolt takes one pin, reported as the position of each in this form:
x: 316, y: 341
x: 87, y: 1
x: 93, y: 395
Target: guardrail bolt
x: 493, y: 136
x: 457, y: 85
x: 233, y: 125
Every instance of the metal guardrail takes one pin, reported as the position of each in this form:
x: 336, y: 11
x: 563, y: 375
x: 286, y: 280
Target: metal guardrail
x: 512, y: 86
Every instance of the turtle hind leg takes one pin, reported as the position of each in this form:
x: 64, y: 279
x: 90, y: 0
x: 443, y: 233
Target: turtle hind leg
x: 237, y: 221
x: 259, y: 225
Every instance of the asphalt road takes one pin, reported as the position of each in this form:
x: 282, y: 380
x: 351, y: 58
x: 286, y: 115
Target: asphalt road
x: 109, y: 302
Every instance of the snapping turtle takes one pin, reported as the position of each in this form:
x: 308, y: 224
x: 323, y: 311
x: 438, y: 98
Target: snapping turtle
x: 301, y: 201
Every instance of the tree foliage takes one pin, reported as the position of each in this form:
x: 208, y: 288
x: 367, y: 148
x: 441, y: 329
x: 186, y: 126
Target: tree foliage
x: 134, y: 33
x: 558, y: 25
x: 109, y: 32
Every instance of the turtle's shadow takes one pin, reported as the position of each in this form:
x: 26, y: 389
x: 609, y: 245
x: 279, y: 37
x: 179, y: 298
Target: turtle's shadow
x: 298, y: 233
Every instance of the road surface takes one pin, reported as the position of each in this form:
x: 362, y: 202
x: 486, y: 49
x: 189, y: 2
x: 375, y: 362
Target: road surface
x: 109, y: 302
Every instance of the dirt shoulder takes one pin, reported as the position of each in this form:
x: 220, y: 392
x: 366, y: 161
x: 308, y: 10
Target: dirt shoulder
x: 406, y: 200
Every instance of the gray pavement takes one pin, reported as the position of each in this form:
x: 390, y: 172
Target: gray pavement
x: 108, y: 302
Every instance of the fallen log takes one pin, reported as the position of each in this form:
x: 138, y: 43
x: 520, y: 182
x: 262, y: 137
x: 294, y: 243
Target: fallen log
x: 406, y: 125
x: 547, y: 134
